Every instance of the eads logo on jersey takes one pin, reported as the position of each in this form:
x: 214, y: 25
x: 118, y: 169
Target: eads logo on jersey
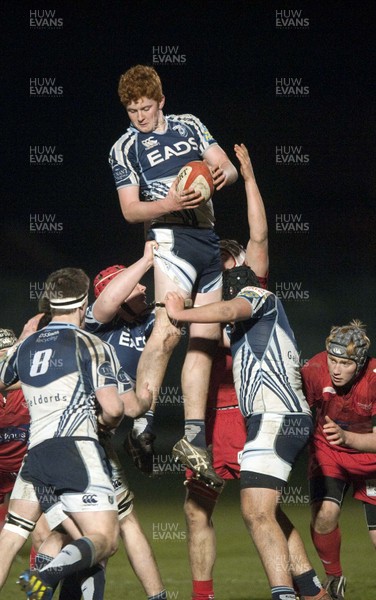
x: 165, y: 153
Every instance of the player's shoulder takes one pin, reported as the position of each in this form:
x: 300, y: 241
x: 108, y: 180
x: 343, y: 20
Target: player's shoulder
x: 370, y: 371
x: 254, y: 292
x: 126, y: 140
x: 181, y: 117
x: 89, y: 338
x: 186, y: 119
x: 257, y: 294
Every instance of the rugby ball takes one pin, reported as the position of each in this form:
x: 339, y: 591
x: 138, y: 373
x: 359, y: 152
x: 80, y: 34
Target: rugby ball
x: 196, y: 174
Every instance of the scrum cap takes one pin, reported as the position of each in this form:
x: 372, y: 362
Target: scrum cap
x: 235, y: 249
x: 349, y: 342
x: 237, y: 278
x: 104, y: 277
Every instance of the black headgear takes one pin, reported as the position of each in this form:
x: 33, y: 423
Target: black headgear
x: 340, y: 338
x: 236, y: 279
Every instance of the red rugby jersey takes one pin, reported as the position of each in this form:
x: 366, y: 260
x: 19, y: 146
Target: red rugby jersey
x: 14, y: 430
x: 354, y: 411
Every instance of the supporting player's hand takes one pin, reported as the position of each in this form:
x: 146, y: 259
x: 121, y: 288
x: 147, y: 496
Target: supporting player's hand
x: 335, y: 435
x: 31, y: 326
x: 149, y: 249
x: 246, y: 168
x: 174, y: 303
x: 184, y: 200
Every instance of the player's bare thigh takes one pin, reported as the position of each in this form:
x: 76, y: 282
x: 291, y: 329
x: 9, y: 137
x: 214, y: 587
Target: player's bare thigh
x: 210, y: 331
x: 163, y: 284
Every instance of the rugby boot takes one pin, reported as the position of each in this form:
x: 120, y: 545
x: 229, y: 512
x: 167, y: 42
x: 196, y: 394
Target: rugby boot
x: 141, y: 451
x: 336, y: 586
x: 198, y: 460
x: 34, y: 587
x: 322, y: 595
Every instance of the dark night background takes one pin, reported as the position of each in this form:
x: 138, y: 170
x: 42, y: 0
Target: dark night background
x: 227, y: 56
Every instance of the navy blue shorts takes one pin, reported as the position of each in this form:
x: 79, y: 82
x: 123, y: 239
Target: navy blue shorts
x: 189, y: 257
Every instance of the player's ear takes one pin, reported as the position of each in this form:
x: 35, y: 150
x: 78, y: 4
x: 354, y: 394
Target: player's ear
x: 161, y: 103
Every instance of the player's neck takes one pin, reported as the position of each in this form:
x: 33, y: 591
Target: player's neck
x: 162, y: 124
x: 72, y: 319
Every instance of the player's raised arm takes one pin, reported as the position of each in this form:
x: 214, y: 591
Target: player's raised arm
x: 257, y: 255
x: 120, y: 287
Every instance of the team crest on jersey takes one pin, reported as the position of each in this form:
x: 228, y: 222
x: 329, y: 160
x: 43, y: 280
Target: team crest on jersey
x: 181, y: 130
x: 105, y: 370
x: 150, y: 142
x: 124, y: 379
x: 251, y: 292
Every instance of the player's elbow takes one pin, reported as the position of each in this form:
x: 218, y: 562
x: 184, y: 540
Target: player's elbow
x: 113, y: 416
x: 130, y: 216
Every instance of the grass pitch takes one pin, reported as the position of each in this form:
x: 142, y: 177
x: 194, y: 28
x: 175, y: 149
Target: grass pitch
x: 238, y: 572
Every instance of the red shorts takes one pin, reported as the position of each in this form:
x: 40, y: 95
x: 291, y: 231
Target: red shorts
x: 356, y: 469
x: 226, y: 432
x: 7, y: 479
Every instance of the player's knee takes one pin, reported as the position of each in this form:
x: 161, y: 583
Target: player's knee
x: 196, y: 518
x: 167, y: 333
x: 171, y: 339
x: 257, y: 517
x: 325, y: 517
x: 112, y: 548
x: 17, y: 524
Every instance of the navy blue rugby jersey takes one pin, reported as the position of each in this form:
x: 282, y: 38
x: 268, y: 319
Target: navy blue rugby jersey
x: 152, y: 162
x: 266, y: 359
x: 127, y: 339
x: 60, y: 367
